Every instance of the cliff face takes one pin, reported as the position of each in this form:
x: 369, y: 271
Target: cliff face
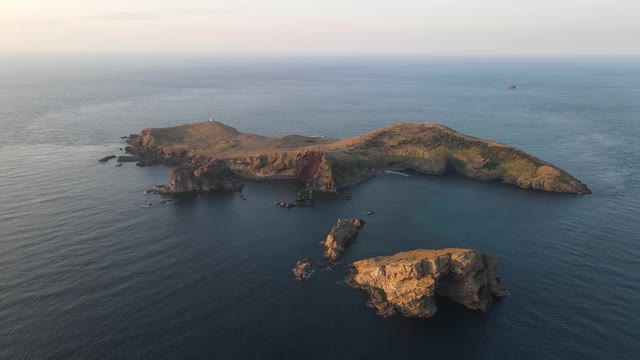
x: 407, y: 283
x: 341, y: 235
x: 326, y: 164
x: 207, y: 178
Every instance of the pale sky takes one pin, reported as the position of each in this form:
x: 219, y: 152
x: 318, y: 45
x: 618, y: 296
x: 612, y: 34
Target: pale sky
x: 565, y: 27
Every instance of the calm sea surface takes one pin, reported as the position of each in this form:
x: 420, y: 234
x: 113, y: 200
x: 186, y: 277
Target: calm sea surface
x: 86, y: 272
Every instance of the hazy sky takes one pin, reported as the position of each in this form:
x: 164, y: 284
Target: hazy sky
x: 323, y: 26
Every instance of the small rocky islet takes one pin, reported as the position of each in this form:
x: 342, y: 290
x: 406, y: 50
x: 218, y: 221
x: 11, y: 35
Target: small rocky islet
x: 341, y: 235
x: 302, y: 270
x: 407, y: 283
x: 210, y: 156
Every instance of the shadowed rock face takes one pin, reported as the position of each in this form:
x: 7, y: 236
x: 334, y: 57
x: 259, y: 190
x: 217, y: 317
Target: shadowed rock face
x: 207, y: 178
x: 407, y: 283
x: 326, y: 164
x: 341, y: 235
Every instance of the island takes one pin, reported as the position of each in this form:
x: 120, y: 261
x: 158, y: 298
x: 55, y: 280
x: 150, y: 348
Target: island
x: 324, y: 165
x: 302, y: 270
x: 407, y: 283
x: 341, y: 235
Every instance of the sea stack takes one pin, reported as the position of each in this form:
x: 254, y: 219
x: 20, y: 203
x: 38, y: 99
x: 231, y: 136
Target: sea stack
x: 341, y: 235
x: 407, y: 283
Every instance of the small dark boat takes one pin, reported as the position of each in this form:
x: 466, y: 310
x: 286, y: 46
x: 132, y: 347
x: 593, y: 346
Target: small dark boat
x: 511, y: 87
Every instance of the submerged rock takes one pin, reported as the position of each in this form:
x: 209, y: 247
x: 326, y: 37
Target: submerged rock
x: 284, y: 204
x: 341, y: 235
x: 214, y: 176
x: 127, y: 159
x: 107, y: 158
x: 144, y: 163
x: 302, y: 270
x: 407, y: 283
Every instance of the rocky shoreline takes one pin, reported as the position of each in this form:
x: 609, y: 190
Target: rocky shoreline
x: 212, y: 177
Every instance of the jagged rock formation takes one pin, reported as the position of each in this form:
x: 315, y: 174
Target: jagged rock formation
x: 341, y: 235
x: 302, y: 270
x: 407, y: 283
x: 211, y: 177
x: 324, y: 165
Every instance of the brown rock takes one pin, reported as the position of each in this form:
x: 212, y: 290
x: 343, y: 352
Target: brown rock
x: 302, y: 270
x: 214, y: 176
x: 407, y: 283
x: 341, y: 235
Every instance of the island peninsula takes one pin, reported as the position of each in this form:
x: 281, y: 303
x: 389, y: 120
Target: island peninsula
x: 210, y: 155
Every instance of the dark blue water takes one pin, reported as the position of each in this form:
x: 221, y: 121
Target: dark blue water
x: 87, y: 273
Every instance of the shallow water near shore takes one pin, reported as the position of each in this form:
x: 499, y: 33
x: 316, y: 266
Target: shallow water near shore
x: 87, y: 272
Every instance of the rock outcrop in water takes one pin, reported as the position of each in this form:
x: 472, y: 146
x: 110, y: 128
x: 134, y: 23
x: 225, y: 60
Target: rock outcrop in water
x: 341, y: 235
x: 324, y: 165
x: 302, y: 270
x: 407, y: 283
x: 107, y: 158
x: 215, y: 176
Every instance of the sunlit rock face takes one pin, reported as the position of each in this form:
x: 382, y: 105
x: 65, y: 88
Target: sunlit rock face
x: 407, y: 283
x: 341, y: 235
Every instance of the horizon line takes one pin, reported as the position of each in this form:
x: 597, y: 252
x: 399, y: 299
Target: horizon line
x: 311, y: 53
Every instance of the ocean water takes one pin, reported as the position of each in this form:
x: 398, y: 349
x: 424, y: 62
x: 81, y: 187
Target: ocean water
x: 86, y: 272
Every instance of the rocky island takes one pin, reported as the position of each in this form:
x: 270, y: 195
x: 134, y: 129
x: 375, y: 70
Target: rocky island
x: 341, y: 235
x: 302, y: 270
x: 324, y: 165
x: 408, y: 282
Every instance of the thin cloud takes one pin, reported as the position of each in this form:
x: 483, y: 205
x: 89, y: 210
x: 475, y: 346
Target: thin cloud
x: 124, y: 16
x: 197, y: 11
x: 137, y: 16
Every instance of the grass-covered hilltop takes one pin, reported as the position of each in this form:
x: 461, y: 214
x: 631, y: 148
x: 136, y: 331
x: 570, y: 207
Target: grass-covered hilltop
x: 328, y: 164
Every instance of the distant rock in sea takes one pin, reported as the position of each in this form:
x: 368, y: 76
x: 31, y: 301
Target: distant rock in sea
x: 407, y: 283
